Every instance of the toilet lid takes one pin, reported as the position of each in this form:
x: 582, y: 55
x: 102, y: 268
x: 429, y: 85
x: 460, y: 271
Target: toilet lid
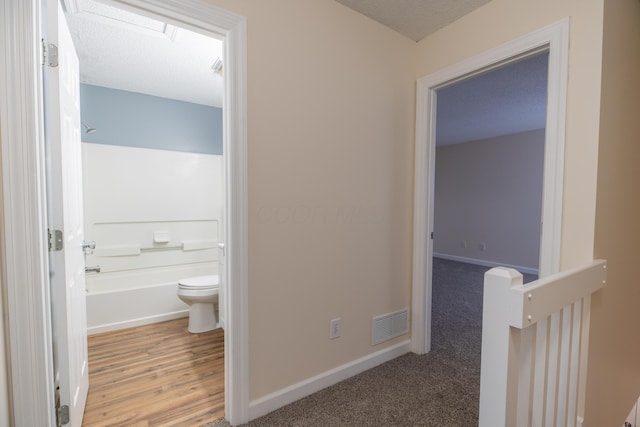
x: 199, y: 282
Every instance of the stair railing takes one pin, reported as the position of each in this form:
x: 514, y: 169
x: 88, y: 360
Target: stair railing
x: 534, y: 347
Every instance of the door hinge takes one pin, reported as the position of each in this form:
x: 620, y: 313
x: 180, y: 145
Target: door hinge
x: 49, y: 54
x: 55, y: 240
x: 62, y: 415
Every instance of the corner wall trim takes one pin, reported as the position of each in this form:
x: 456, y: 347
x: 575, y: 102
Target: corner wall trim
x: 282, y: 397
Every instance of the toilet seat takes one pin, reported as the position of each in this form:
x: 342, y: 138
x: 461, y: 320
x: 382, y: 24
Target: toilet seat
x: 199, y: 283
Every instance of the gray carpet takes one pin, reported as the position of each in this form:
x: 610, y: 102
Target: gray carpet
x: 439, y: 389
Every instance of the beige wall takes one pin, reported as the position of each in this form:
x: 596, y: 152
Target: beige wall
x: 331, y: 98
x: 330, y: 152
x: 331, y: 117
x: 501, y: 21
x: 614, y: 354
x: 490, y: 191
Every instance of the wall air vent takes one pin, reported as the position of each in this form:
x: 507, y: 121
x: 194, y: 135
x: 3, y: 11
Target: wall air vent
x: 388, y: 326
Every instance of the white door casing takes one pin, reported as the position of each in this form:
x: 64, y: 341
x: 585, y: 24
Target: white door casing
x: 24, y: 272
x: 25, y: 268
x: 65, y: 213
x: 211, y: 20
x: 555, y: 39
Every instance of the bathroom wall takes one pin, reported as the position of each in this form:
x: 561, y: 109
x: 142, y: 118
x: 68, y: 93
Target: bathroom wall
x: 137, y: 120
x: 155, y: 213
x: 488, y: 200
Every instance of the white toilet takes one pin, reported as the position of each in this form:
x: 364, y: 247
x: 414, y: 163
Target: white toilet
x: 201, y: 293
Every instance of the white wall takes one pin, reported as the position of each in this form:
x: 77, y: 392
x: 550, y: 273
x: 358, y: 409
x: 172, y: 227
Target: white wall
x: 490, y: 191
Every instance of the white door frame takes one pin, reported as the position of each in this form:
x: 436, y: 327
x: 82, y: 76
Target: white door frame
x: 555, y: 39
x: 23, y: 248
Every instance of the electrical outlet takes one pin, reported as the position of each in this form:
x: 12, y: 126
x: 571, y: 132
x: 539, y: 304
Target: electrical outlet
x: 482, y: 246
x: 334, y: 328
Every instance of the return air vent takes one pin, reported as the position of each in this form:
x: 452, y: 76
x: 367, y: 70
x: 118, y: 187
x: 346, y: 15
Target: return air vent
x: 389, y: 326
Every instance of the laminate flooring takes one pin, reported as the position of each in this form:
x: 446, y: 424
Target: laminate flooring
x: 155, y: 375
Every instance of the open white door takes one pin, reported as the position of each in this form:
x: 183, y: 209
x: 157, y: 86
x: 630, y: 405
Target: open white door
x: 64, y: 206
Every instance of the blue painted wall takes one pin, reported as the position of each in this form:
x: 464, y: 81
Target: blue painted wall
x: 135, y: 120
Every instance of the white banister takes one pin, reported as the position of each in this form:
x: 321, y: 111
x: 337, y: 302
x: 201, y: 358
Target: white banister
x: 534, y: 342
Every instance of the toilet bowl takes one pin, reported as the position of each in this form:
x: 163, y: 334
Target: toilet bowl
x: 201, y: 293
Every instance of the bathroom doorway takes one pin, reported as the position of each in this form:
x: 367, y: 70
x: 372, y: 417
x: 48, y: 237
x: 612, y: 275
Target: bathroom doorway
x: 26, y: 161
x: 154, y: 178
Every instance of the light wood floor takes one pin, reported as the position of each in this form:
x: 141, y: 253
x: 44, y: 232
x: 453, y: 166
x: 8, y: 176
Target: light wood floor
x: 155, y: 375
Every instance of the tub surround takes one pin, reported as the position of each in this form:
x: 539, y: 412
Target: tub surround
x: 126, y: 308
x: 155, y: 216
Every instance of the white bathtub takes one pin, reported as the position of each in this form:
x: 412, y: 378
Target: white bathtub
x: 122, y: 305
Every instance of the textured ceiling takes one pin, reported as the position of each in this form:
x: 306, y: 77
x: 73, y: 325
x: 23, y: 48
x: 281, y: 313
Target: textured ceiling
x: 121, y: 50
x: 415, y: 19
x: 506, y: 100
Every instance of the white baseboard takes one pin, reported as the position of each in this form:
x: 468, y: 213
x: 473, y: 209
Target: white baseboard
x: 482, y: 262
x: 137, y: 322
x: 280, y: 398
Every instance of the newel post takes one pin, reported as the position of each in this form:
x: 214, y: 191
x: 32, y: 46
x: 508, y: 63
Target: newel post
x: 500, y: 348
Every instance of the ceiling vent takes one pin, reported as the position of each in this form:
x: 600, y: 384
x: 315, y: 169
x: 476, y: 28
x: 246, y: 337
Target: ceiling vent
x: 217, y: 66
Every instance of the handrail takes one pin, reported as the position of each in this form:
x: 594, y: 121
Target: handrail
x: 535, y: 375
x: 536, y: 300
